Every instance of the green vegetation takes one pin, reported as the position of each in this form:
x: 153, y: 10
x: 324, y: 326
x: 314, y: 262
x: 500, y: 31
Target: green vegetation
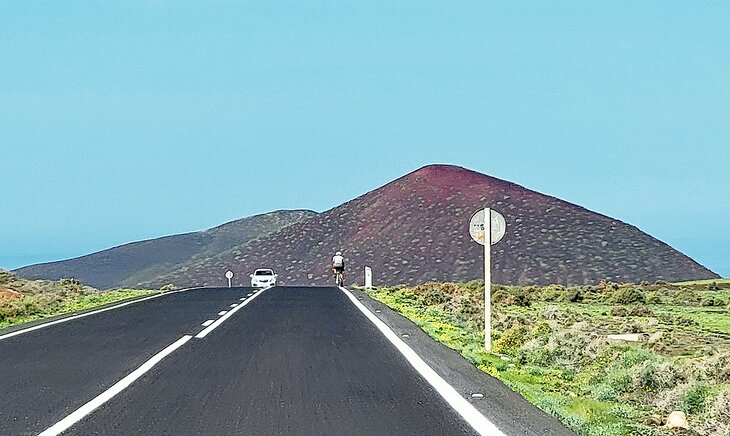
x: 550, y: 345
x: 704, y: 282
x: 22, y: 301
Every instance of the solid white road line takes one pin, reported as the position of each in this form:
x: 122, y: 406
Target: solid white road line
x: 470, y: 414
x: 107, y: 395
x: 207, y: 323
x: 222, y: 312
x: 70, y: 318
x: 223, y: 318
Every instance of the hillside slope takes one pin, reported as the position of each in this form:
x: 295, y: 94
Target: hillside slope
x: 415, y: 229
x: 146, y: 260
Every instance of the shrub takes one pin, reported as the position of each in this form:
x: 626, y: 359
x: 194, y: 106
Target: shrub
x: 695, y: 398
x: 620, y: 380
x: 715, y: 368
x: 722, y: 406
x: 641, y: 311
x: 572, y: 295
x: 168, y: 287
x: 654, y: 376
x: 686, y: 296
x: 619, y: 311
x: 511, y: 340
x: 712, y: 302
x: 653, y: 298
x: 541, y: 329
x: 604, y: 392
x: 5, y: 277
x: 628, y: 296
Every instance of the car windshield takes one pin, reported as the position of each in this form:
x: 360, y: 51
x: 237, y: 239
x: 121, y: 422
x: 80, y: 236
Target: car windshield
x: 264, y: 272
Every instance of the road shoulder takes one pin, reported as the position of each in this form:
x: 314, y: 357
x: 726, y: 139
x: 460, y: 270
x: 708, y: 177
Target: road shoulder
x: 504, y: 407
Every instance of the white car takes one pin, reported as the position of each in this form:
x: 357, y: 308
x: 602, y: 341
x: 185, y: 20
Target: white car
x: 263, y: 277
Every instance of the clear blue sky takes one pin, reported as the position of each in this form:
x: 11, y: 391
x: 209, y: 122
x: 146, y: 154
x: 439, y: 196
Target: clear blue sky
x: 121, y: 121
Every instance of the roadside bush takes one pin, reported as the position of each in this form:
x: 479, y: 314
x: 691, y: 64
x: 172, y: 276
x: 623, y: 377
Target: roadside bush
x: 628, y: 296
x: 712, y: 302
x: 619, y: 311
x: 5, y: 277
x: 695, y: 398
x: 654, y: 376
x: 641, y: 311
x: 653, y: 298
x: 510, y: 341
x: 507, y: 298
x: 168, y: 287
x: 715, y: 368
x: 604, y: 392
x: 722, y: 406
x: 620, y: 380
x: 540, y: 329
x: 573, y: 295
x: 686, y: 296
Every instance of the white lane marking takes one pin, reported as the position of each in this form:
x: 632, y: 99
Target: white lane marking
x: 70, y: 318
x: 460, y: 404
x: 223, y: 318
x: 107, y: 395
x: 234, y: 305
x: 207, y: 323
x: 222, y: 312
x: 242, y: 298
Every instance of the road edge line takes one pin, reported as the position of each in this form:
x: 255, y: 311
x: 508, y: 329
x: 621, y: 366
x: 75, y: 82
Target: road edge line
x: 115, y: 389
x: 93, y: 312
x: 228, y: 314
x: 466, y: 410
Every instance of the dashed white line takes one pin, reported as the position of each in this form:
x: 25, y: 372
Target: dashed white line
x: 207, y: 323
x: 107, y: 395
x: 234, y: 305
x: 224, y: 317
x: 460, y: 404
x: 222, y: 312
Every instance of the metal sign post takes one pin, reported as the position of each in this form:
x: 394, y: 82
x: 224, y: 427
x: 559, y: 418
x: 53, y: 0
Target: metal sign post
x: 229, y: 276
x: 487, y: 279
x: 487, y: 227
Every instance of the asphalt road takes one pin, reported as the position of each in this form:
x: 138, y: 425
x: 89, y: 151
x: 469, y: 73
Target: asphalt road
x: 291, y: 361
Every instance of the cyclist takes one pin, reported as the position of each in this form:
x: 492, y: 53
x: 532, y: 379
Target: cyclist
x: 338, y: 265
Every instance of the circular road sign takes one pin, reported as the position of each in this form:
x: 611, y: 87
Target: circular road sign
x: 476, y: 226
x: 229, y: 274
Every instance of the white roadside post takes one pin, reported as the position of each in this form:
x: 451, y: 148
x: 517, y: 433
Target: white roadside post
x: 487, y: 227
x: 368, y: 277
x: 229, y: 276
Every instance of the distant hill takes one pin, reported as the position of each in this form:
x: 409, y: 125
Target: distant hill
x: 415, y: 229
x: 141, y: 261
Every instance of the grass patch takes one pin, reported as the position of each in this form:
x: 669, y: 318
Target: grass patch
x: 554, y: 350
x: 32, y: 308
x: 22, y: 301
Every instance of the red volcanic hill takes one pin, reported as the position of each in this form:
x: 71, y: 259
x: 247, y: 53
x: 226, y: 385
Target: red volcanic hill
x: 415, y: 229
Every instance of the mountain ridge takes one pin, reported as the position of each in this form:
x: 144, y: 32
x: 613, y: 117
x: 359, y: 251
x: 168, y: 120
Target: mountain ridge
x: 379, y: 229
x: 142, y: 260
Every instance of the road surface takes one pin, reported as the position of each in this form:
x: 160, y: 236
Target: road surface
x: 286, y: 360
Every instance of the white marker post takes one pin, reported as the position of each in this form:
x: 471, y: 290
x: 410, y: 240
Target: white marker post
x: 229, y: 276
x: 487, y: 227
x: 368, y: 277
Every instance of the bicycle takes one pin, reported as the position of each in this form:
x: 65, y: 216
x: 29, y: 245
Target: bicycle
x: 339, y: 278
